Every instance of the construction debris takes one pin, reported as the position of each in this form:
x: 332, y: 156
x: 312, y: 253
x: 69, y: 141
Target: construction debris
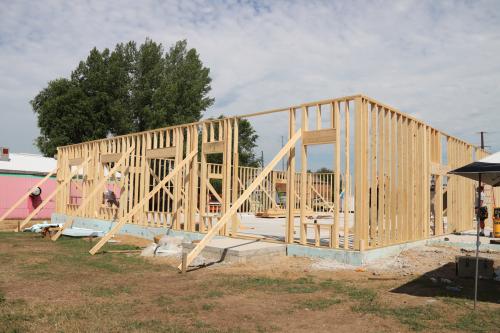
x: 40, y: 226
x: 82, y: 232
x: 164, y: 246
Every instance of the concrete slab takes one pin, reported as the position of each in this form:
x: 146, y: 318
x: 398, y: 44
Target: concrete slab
x: 275, y: 228
x: 466, y: 240
x: 239, y: 250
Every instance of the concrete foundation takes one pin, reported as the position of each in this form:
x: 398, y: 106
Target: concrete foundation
x: 240, y: 250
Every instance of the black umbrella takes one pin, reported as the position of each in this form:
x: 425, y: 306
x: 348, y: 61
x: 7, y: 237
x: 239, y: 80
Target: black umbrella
x: 486, y: 170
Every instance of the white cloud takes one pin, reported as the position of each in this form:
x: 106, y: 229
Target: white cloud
x: 436, y: 60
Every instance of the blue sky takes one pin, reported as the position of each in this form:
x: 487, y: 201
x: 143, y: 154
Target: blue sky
x: 437, y: 60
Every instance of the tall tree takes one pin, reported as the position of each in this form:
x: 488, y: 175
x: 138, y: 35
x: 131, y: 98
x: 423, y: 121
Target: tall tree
x: 183, y: 89
x: 65, y: 116
x: 126, y: 90
x: 247, y: 138
x: 148, y: 71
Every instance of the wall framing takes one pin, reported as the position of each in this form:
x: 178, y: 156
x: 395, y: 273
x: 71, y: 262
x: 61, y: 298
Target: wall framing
x: 393, y: 165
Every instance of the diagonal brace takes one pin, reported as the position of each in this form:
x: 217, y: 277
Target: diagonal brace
x: 244, y: 196
x: 48, y: 198
x: 96, y: 190
x: 141, y: 203
x: 27, y: 194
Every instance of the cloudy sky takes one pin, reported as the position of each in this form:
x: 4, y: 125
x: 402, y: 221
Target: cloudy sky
x: 437, y: 60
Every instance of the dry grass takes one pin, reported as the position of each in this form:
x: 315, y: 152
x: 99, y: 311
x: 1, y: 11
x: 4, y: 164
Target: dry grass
x: 47, y: 287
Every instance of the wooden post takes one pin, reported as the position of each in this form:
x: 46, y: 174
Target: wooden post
x: 203, y: 178
x: 303, y: 179
x: 193, y: 192
x: 347, y: 190
x: 358, y: 168
x: 334, y: 237
x: 290, y: 185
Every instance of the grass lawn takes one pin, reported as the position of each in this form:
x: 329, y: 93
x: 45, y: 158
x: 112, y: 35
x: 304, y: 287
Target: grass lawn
x: 50, y: 286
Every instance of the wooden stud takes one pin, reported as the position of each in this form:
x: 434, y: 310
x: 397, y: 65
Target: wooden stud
x: 290, y: 188
x: 347, y: 191
x: 336, y: 187
x: 303, y: 179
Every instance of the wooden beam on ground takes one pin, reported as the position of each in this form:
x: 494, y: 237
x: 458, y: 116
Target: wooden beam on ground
x: 141, y: 203
x: 27, y: 194
x: 234, y: 208
x: 91, y: 195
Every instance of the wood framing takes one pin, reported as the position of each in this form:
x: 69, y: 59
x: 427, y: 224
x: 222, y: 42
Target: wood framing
x: 107, y: 158
x: 387, y: 181
x: 141, y: 203
x: 163, y: 153
x: 27, y: 194
x: 97, y: 188
x: 234, y: 208
x: 213, y: 147
x: 321, y: 136
x: 50, y: 196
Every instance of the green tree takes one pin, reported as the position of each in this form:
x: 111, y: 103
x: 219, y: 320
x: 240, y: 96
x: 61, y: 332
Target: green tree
x: 247, y: 138
x: 184, y: 88
x: 126, y: 90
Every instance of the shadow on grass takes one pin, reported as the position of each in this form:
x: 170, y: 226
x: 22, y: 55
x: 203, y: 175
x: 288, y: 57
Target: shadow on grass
x: 431, y: 284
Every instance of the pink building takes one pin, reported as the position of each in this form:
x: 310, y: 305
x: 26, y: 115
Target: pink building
x: 18, y: 174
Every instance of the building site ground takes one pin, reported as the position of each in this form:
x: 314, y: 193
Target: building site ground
x: 57, y: 286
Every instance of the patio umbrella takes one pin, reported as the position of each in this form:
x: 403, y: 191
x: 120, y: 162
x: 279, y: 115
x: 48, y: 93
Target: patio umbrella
x: 486, y: 170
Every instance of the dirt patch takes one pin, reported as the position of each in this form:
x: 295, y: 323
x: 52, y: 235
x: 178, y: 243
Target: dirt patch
x: 131, y: 240
x: 51, y: 286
